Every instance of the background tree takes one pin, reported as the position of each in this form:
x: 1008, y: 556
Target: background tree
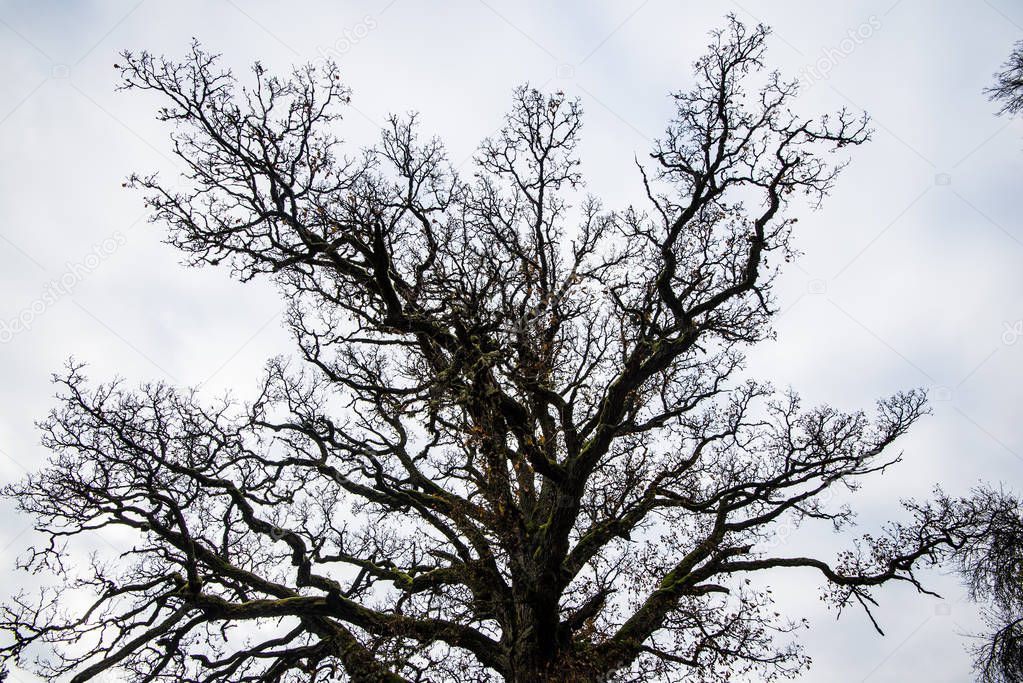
x: 519, y: 444
x: 1008, y: 87
x: 991, y: 561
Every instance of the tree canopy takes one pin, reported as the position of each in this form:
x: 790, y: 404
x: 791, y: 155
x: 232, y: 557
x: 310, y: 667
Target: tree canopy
x: 1008, y: 87
x: 518, y: 442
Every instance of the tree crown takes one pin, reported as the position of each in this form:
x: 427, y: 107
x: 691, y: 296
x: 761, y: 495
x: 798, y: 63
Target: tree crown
x: 518, y: 444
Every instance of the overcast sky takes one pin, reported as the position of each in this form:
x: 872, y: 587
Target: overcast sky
x: 911, y: 274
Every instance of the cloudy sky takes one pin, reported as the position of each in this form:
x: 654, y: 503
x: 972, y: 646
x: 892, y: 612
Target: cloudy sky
x: 910, y: 276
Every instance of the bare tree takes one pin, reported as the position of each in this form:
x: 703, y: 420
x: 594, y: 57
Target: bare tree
x: 1008, y: 87
x: 991, y: 562
x: 518, y: 444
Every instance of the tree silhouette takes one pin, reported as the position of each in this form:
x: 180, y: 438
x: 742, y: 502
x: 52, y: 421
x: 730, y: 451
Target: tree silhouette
x: 519, y: 444
x: 991, y: 562
x: 1008, y: 87
x: 991, y: 559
